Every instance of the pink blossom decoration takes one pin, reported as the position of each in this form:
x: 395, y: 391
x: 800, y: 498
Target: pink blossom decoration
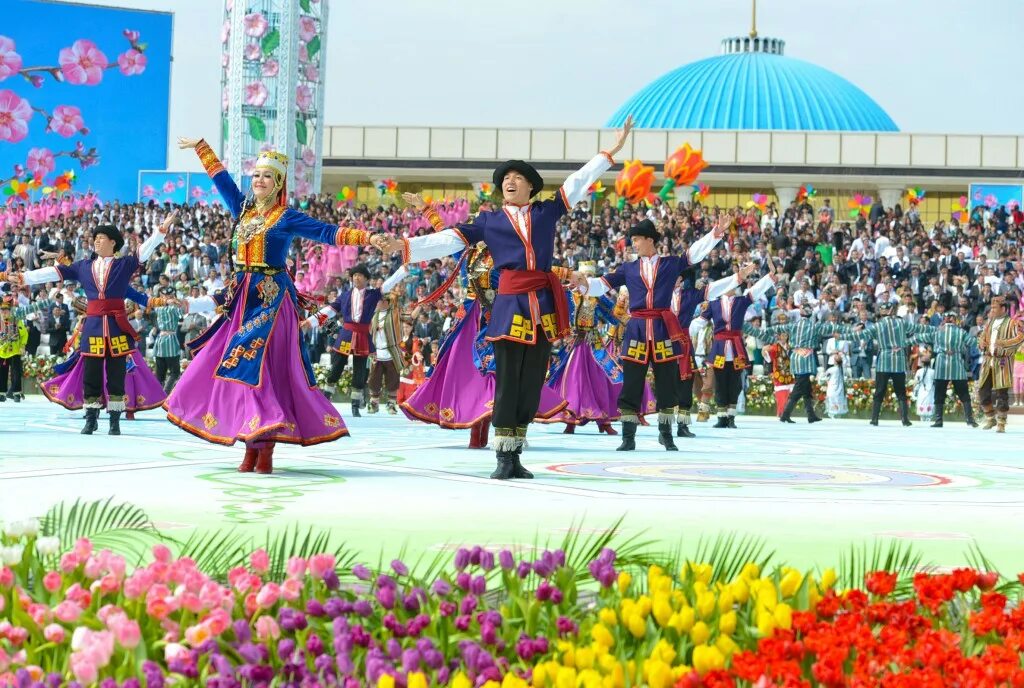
x: 131, y: 35
x: 148, y: 191
x: 198, y: 193
x: 304, y: 97
x: 168, y: 187
x: 307, y: 28
x: 308, y: 157
x: 256, y: 94
x: 225, y: 60
x: 224, y: 98
x: 181, y: 182
x: 15, y: 112
x: 131, y: 62
x: 255, y: 24
x: 303, y: 53
x: 303, y: 187
x: 252, y: 51
x: 300, y: 168
x: 83, y: 63
x: 66, y: 120
x: 40, y: 162
x: 311, y: 73
x: 248, y: 166
x: 225, y: 31
x: 271, y: 67
x: 10, y: 61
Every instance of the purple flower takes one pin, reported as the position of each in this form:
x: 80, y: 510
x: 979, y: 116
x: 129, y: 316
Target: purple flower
x: 461, y: 558
x: 315, y: 609
x: 331, y: 579
x: 486, y: 560
x: 250, y: 653
x: 462, y: 622
x: 556, y: 596
x: 105, y: 683
x: 468, y: 605
x: 488, y: 634
x: 386, y: 596
x: 506, y: 560
x: 523, y: 570
x: 314, y: 645
x: 542, y: 568
x: 474, y: 555
x: 399, y: 568
x: 322, y: 664
x: 242, y: 634
x: 362, y: 608
x: 411, y: 604
x: 559, y: 557
x: 361, y: 572
x: 463, y: 580
x: 543, y: 591
x: 128, y: 683
x: 386, y: 581
x: 478, y: 586
x: 292, y: 620
x: 566, y: 626
x: 607, y: 556
x: 441, y: 587
x: 443, y: 674
x: 410, y: 660
x: 447, y: 608
x: 285, y: 649
x: 334, y: 607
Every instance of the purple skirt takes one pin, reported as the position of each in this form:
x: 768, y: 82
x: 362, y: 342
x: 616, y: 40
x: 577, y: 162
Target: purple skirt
x: 589, y: 393
x: 457, y: 395
x: 283, y: 407
x: 142, y: 390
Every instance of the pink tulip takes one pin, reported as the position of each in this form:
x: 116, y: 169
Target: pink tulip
x: 126, y: 631
x: 268, y: 595
x: 15, y: 112
x: 131, y: 62
x: 291, y: 589
x: 267, y: 629
x: 10, y: 61
x: 311, y: 73
x: 218, y: 621
x: 174, y: 651
x: 259, y: 561
x: 319, y: 564
x: 17, y: 636
x: 67, y: 611
x: 296, y: 567
x: 84, y: 668
x: 197, y: 635
x: 83, y: 63
x: 6, y: 577
x: 83, y: 548
x: 54, y: 633
x: 40, y: 613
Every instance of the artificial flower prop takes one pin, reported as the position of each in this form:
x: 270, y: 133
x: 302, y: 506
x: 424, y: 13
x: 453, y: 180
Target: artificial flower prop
x: 915, y: 195
x: 859, y: 205
x: 960, y: 209
x: 17, y: 191
x: 759, y: 201
x: 701, y: 192
x: 634, y: 182
x: 682, y: 168
x: 346, y: 195
x: 806, y: 193
x: 596, y: 190
x: 386, y: 186
x: 483, y: 189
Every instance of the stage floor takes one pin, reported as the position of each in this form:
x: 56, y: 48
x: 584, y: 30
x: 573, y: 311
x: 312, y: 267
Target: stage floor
x: 809, y: 491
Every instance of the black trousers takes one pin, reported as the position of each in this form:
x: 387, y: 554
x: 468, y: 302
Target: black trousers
x: 899, y: 386
x: 728, y: 385
x: 685, y: 394
x: 960, y: 388
x: 10, y: 367
x: 519, y: 376
x: 92, y: 382
x: 801, y: 390
x: 360, y: 369
x: 666, y: 379
x: 168, y: 370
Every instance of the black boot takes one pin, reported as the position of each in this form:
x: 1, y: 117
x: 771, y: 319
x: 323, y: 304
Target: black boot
x: 355, y: 405
x: 115, y: 423
x: 683, y: 430
x: 519, y: 471
x: 905, y: 413
x: 723, y: 422
x: 92, y: 422
x: 938, y: 417
x: 506, y: 465
x: 876, y: 409
x: 787, y: 410
x: 969, y: 413
x: 730, y: 421
x: 628, y: 436
x: 665, y: 436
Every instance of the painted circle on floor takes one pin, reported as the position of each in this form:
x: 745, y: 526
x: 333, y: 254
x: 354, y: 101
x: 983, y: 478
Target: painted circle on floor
x: 750, y: 474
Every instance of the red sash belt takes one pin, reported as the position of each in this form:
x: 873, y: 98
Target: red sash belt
x: 360, y: 337
x: 529, y: 281
x: 115, y: 309
x: 739, y: 349
x: 686, y: 360
x: 671, y: 320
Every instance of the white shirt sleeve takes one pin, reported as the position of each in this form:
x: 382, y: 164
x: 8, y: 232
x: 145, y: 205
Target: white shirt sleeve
x: 326, y: 311
x: 42, y: 276
x: 701, y: 248
x: 150, y: 245
x: 722, y: 286
x: 201, y: 304
x: 597, y: 286
x: 574, y: 189
x: 393, y: 281
x: 761, y: 288
x: 436, y: 245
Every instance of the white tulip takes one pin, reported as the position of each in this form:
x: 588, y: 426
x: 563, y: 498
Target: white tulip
x: 11, y: 556
x: 31, y: 527
x: 48, y: 546
x: 17, y: 529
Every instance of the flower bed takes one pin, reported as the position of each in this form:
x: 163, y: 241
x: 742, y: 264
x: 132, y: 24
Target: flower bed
x: 81, y: 616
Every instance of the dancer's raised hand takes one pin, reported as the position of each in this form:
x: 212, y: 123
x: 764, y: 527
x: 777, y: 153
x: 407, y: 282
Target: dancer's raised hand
x: 415, y: 200
x: 623, y: 135
x: 187, y: 143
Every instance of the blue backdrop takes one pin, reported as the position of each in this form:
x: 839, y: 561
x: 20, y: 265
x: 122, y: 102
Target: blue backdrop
x: 125, y: 116
x: 995, y: 195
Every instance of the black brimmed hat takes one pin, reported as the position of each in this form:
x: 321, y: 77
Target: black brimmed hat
x: 523, y: 168
x: 111, y: 232
x: 359, y: 270
x: 645, y: 228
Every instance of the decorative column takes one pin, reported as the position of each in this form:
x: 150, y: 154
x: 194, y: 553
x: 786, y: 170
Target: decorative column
x: 890, y: 195
x: 272, y: 82
x: 786, y: 195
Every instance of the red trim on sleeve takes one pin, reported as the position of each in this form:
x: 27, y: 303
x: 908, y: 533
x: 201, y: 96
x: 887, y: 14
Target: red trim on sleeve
x: 608, y: 156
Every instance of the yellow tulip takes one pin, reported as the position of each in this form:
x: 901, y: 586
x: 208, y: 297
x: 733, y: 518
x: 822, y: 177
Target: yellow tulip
x: 662, y: 610
x: 584, y: 658
x: 637, y: 625
x: 790, y: 583
x: 726, y: 645
x: 644, y: 605
x: 702, y: 572
x: 491, y: 684
x: 566, y: 678
x: 707, y: 658
x: 740, y: 590
x: 727, y: 623
x: 784, y: 616
x: 664, y: 652
x: 683, y: 620
x: 539, y: 676
x: 602, y: 635
x: 589, y: 679
x: 678, y: 598
x: 699, y: 587
x: 607, y: 663
x: 813, y: 596
x: 767, y: 597
x: 766, y: 624
x: 726, y: 600
x: 569, y: 656
x: 386, y: 681
x: 461, y: 681
x: 624, y: 580
x: 618, y: 676
x: 416, y: 679
x: 659, y: 675
x: 705, y: 605
x: 607, y: 617
x: 828, y: 578
x: 700, y: 633
x: 513, y: 681
x: 751, y: 571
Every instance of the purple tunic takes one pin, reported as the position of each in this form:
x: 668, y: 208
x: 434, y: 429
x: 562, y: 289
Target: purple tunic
x: 101, y: 335
x: 727, y: 321
x: 343, y: 307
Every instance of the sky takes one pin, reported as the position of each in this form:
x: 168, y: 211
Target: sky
x: 944, y: 66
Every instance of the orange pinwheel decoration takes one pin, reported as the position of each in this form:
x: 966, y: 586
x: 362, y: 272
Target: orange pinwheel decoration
x: 684, y: 165
x: 634, y: 181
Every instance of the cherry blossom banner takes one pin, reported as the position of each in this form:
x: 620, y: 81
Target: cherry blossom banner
x: 162, y: 186
x: 84, y: 97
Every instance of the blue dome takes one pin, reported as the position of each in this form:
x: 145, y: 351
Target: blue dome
x: 753, y: 91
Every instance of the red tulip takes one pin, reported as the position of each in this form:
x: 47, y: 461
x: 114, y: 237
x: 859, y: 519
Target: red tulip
x: 684, y: 165
x: 634, y: 181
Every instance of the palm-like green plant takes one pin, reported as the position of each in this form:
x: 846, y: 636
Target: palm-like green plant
x: 895, y: 556
x: 122, y: 528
